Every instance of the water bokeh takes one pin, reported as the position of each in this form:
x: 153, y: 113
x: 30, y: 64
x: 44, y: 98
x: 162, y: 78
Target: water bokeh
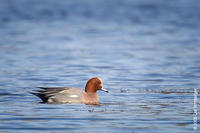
x: 146, y: 52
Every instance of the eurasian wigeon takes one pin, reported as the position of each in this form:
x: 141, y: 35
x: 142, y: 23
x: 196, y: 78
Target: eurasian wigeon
x: 58, y: 95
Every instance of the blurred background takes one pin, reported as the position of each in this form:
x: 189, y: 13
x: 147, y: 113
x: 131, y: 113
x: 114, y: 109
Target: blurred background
x: 146, y: 52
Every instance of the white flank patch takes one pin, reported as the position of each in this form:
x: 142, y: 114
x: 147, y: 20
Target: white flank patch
x: 73, y: 96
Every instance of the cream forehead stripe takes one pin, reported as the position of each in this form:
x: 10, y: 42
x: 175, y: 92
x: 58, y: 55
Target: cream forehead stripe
x: 100, y: 80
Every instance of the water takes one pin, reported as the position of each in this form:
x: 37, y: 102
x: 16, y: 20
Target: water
x: 146, y: 52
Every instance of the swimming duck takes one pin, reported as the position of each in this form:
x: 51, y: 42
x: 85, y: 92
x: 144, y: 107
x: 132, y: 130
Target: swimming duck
x: 57, y: 95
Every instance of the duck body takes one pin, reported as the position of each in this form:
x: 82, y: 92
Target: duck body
x: 60, y: 95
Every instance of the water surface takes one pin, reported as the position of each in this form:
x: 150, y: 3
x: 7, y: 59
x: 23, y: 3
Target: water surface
x: 146, y: 52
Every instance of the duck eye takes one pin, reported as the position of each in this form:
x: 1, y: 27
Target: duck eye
x: 98, y: 82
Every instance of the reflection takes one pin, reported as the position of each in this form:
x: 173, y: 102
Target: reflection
x: 195, y: 110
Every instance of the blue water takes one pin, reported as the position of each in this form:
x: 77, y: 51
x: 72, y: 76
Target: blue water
x: 145, y: 51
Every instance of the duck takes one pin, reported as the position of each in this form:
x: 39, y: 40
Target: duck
x: 62, y: 95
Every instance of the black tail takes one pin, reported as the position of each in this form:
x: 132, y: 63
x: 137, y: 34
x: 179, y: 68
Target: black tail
x: 41, y: 96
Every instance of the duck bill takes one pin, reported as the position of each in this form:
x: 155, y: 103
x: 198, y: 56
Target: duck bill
x: 102, y: 89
